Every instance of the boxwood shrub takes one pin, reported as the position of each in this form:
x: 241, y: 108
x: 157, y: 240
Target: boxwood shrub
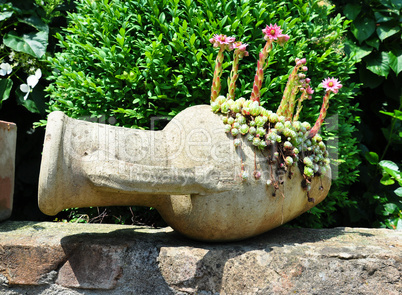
x: 132, y: 60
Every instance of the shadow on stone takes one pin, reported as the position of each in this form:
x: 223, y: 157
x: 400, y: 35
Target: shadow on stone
x: 157, y: 260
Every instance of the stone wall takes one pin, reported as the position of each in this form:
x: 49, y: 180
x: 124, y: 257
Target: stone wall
x: 58, y: 258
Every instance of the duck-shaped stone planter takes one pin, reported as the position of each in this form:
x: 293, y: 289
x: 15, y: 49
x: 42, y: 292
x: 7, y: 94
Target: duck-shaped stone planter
x: 189, y: 171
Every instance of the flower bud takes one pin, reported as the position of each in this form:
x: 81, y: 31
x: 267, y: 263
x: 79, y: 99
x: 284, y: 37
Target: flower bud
x: 244, y: 129
x: 261, y: 131
x: 256, y: 141
x: 241, y: 119
x: 321, y: 145
x: 262, y: 145
x: 260, y: 120
x: 273, y: 118
x: 225, y: 108
x: 306, y: 125
x: 236, y: 107
x: 241, y: 101
x: 308, y: 171
x: 215, y: 107
x: 255, y: 109
x: 307, y: 161
x: 289, y: 161
x: 244, y: 176
x: 296, y: 125
x: 287, y: 145
x: 220, y: 99
x: 279, y: 126
x: 257, y: 174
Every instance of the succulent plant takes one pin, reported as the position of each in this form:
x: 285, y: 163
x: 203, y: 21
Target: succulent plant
x: 290, y: 143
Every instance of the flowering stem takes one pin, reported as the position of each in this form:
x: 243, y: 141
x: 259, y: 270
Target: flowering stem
x: 259, y: 75
x: 299, y: 106
x: 233, y: 75
x: 321, y: 117
x: 287, y: 105
x: 216, y: 82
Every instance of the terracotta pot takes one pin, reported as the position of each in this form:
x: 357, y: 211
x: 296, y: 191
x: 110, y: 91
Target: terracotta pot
x: 189, y: 172
x: 8, y: 142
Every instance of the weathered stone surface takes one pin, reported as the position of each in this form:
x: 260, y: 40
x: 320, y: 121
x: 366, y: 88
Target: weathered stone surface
x: 112, y: 259
x: 189, y: 172
x: 8, y: 143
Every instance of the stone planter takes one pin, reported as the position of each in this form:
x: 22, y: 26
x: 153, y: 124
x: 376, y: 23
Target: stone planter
x: 8, y: 142
x: 189, y: 172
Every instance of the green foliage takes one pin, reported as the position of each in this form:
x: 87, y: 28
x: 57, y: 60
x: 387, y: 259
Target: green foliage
x: 385, y: 195
x: 377, y: 30
x: 25, y: 31
x: 132, y: 60
x: 375, y: 43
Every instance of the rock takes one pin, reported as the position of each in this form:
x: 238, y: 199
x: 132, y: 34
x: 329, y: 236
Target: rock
x: 56, y: 258
x: 189, y: 171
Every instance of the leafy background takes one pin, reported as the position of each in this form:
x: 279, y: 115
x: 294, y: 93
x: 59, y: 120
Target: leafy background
x: 123, y: 62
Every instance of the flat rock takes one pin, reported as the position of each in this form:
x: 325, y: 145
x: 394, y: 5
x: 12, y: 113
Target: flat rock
x: 59, y: 258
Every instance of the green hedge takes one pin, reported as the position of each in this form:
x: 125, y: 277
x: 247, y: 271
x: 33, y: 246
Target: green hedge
x: 132, y: 60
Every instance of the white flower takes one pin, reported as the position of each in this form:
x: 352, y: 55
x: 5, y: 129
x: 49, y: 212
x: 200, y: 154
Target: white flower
x: 31, y: 83
x: 5, y: 69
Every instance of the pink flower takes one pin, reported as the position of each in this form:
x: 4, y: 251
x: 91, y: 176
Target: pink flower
x: 240, y: 48
x: 272, y: 32
x: 309, y: 90
x: 331, y: 84
x: 222, y: 41
x: 282, y: 39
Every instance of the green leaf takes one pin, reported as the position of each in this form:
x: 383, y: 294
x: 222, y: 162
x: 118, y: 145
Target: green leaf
x: 396, y: 114
x: 192, y: 39
x: 395, y: 60
x: 380, y: 18
x: 397, y: 4
x: 389, y: 165
x: 392, y: 169
x: 357, y: 52
x: 372, y: 157
x: 390, y: 208
x: 373, y: 42
x: 6, y: 15
x: 34, y: 44
x: 369, y: 79
x: 398, y: 192
x: 363, y: 28
x: 5, y: 88
x: 352, y: 10
x: 386, y: 179
x: 379, y: 64
x: 35, y: 22
x: 385, y: 31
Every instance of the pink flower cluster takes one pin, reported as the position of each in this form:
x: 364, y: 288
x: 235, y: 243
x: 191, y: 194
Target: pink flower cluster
x: 222, y: 41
